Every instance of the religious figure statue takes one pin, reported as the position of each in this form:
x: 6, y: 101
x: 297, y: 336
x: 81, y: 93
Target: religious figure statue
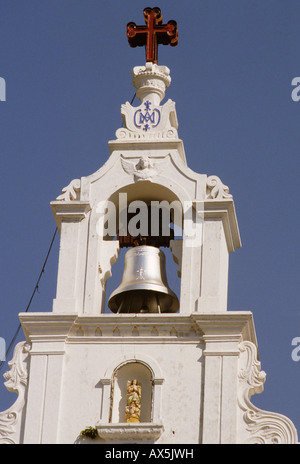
x: 133, y: 407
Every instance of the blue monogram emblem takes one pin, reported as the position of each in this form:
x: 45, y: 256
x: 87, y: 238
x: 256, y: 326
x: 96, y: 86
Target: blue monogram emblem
x: 146, y: 118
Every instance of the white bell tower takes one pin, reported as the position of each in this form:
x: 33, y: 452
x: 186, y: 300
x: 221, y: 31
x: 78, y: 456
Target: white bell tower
x: 139, y: 375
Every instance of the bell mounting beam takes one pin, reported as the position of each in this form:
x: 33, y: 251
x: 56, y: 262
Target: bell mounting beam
x: 162, y: 239
x: 153, y: 34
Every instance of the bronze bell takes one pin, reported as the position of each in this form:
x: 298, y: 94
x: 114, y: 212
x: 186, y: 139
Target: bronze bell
x: 144, y: 287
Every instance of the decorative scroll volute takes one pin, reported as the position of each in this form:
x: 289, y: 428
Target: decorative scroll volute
x: 16, y: 381
x: 259, y: 426
x: 71, y: 191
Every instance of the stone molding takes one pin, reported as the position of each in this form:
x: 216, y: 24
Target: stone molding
x: 129, y: 358
x: 43, y: 328
x: 46, y: 328
x: 129, y: 431
x: 69, y: 211
x: 225, y: 325
x: 224, y: 209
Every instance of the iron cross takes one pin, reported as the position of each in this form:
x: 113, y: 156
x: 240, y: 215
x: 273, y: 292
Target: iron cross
x: 153, y: 34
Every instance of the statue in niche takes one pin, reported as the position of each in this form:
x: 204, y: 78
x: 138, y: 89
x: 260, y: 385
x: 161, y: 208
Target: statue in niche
x: 133, y: 407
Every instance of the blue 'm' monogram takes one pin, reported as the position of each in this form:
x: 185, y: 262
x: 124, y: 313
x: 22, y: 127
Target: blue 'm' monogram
x: 143, y: 119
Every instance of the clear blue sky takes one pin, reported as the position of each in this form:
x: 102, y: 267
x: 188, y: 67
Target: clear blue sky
x: 67, y: 67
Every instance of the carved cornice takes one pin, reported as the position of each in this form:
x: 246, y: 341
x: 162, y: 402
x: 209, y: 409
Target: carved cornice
x: 43, y: 328
x: 135, y: 329
x: 225, y: 325
x: 162, y: 145
x: 224, y: 209
x: 69, y: 211
x: 46, y: 327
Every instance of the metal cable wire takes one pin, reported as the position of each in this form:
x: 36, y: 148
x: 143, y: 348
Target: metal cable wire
x: 31, y: 298
x: 37, y: 286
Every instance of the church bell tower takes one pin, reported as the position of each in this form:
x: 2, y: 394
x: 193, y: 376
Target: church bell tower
x: 135, y: 364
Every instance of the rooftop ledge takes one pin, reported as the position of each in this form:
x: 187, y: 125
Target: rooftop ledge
x: 63, y: 327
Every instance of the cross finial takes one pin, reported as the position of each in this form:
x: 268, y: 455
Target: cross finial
x: 153, y: 34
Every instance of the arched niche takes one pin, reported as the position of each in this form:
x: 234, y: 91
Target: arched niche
x: 124, y: 374
x: 114, y: 385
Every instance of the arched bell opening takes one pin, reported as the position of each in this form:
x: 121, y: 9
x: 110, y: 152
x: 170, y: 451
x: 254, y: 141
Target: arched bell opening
x: 148, y: 219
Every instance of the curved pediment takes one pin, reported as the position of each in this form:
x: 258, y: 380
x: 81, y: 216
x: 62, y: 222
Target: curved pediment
x: 144, y: 170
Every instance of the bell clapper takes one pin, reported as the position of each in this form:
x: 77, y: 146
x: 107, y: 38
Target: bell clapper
x: 158, y: 305
x: 120, y: 307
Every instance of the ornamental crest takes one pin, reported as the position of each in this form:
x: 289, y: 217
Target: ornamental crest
x: 148, y: 121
